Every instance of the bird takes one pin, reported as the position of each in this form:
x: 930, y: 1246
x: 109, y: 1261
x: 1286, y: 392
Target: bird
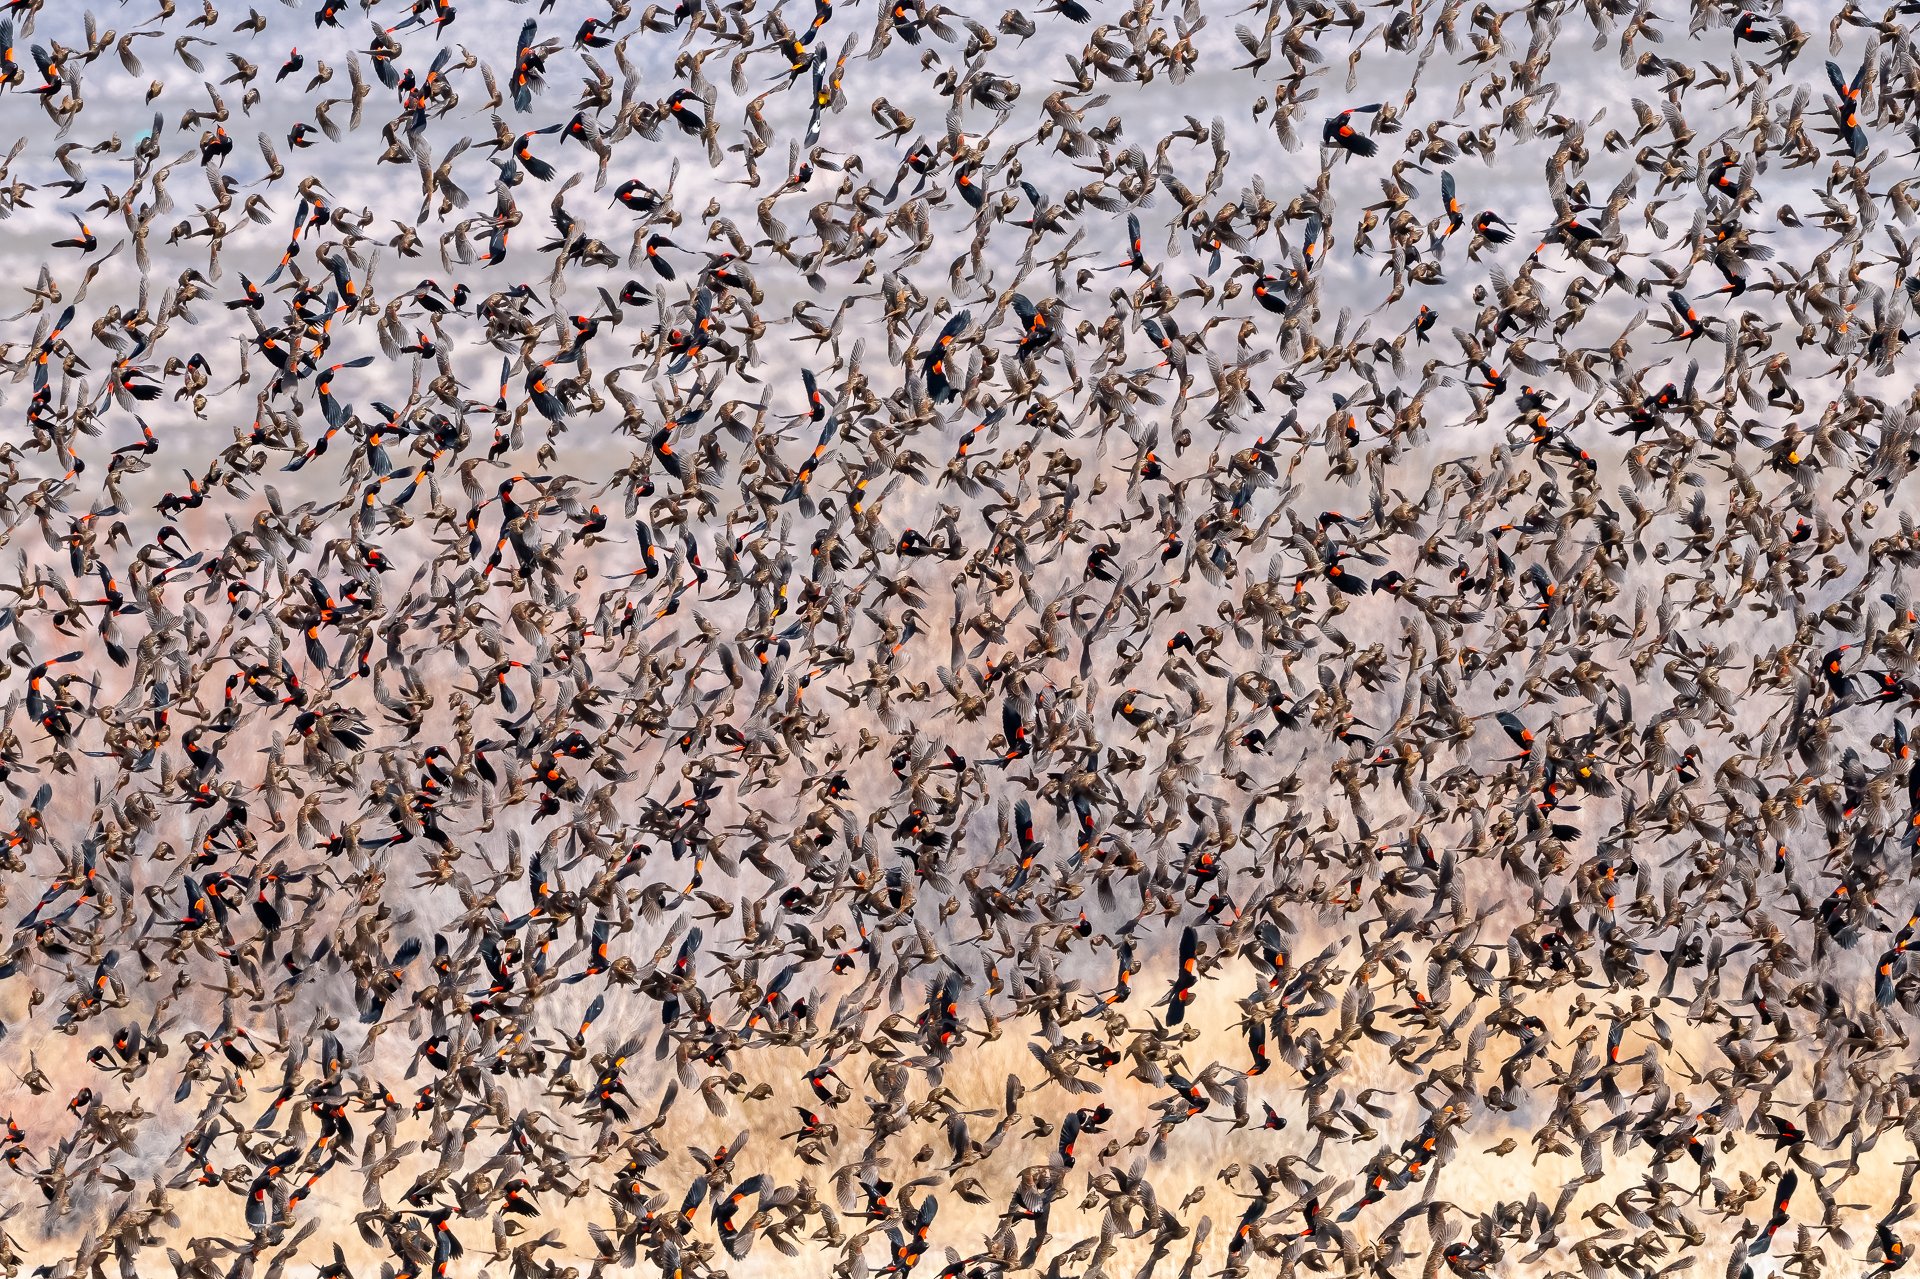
x: 950, y: 671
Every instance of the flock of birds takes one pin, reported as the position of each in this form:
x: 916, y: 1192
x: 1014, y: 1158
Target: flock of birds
x: 1113, y: 640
